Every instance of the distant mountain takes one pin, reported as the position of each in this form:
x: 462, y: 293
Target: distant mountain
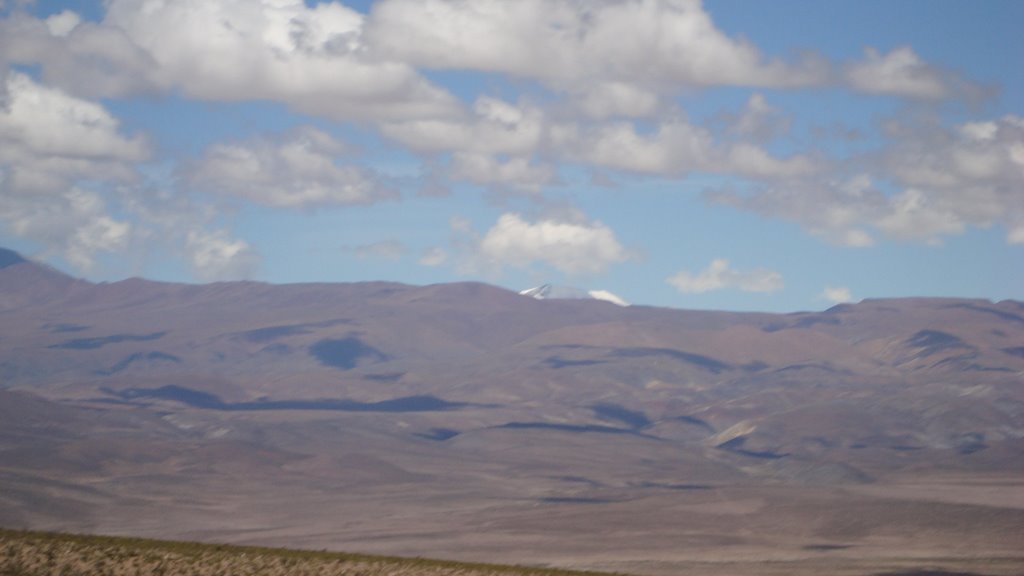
x: 9, y: 258
x: 383, y: 417
x: 552, y: 292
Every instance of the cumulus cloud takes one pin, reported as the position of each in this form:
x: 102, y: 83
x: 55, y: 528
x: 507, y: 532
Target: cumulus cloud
x: 83, y: 58
x: 759, y: 120
x: 569, y: 246
x: 674, y: 148
x: 62, y: 24
x: 216, y: 256
x: 613, y: 60
x: 618, y: 99
x: 48, y: 123
x: 955, y: 177
x: 513, y: 173
x: 434, y: 256
x: 74, y: 224
x: 313, y: 58
x: 495, y: 145
x: 912, y: 214
x: 383, y: 250
x: 615, y: 68
x: 576, y: 46
x: 507, y: 144
x: 300, y: 169
x: 49, y: 142
x: 720, y: 275
x: 837, y: 210
x: 494, y: 127
x: 837, y: 294
x: 928, y: 182
x: 902, y: 72
x: 69, y: 181
x: 522, y: 133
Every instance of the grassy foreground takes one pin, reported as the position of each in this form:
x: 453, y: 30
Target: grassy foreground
x: 24, y: 553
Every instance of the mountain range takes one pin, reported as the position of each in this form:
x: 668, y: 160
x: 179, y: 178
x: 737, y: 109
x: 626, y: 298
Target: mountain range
x: 464, y: 420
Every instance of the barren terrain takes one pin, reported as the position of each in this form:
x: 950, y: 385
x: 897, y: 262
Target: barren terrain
x: 467, y: 422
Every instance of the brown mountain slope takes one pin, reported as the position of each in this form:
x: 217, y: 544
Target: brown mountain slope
x: 465, y: 420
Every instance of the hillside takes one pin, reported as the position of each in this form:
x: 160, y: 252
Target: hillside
x: 39, y: 554
x: 467, y: 421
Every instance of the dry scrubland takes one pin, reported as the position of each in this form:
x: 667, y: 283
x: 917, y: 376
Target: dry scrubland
x: 44, y: 554
x: 25, y: 553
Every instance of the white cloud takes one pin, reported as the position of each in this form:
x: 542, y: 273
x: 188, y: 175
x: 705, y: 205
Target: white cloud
x: 837, y: 294
x: 576, y: 46
x: 928, y: 182
x: 73, y: 223
x: 611, y: 99
x: 956, y: 177
x: 384, y: 250
x: 719, y: 275
x: 300, y: 169
x: 495, y: 127
x: 48, y: 123
x: 510, y: 145
x: 1015, y: 235
x: 749, y: 160
x: 912, y: 214
x: 69, y: 181
x: 312, y: 58
x: 572, y: 247
x: 901, y: 72
x: 62, y: 24
x: 613, y: 60
x: 837, y: 211
x: 216, y: 256
x: 514, y: 173
x: 83, y: 58
x: 758, y: 120
x: 49, y: 142
x: 63, y: 158
x: 433, y: 256
x: 673, y: 148
x: 980, y: 131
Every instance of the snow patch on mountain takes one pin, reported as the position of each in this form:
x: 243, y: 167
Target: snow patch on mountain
x: 553, y: 292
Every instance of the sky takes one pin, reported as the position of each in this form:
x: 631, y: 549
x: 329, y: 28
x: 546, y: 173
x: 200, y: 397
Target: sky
x: 777, y: 156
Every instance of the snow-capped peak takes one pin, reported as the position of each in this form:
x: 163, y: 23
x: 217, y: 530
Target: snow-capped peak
x: 607, y: 297
x: 552, y: 292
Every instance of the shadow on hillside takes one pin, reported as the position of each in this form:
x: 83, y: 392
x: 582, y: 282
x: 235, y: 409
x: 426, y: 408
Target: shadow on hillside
x: 200, y: 399
x: 345, y: 353
x: 101, y: 341
x: 927, y: 573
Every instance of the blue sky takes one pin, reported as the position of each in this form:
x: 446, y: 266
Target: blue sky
x: 734, y: 155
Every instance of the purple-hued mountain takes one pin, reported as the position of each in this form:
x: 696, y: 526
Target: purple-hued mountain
x: 449, y: 420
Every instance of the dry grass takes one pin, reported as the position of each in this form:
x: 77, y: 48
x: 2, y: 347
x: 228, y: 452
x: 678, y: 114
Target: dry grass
x: 24, y: 553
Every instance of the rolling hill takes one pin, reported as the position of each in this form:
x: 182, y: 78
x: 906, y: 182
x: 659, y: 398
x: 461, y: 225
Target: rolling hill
x: 467, y: 421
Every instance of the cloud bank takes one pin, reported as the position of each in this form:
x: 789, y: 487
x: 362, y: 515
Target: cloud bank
x: 515, y: 97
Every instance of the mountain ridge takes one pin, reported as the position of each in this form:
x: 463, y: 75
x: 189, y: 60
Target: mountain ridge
x: 455, y: 418
x: 10, y: 258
